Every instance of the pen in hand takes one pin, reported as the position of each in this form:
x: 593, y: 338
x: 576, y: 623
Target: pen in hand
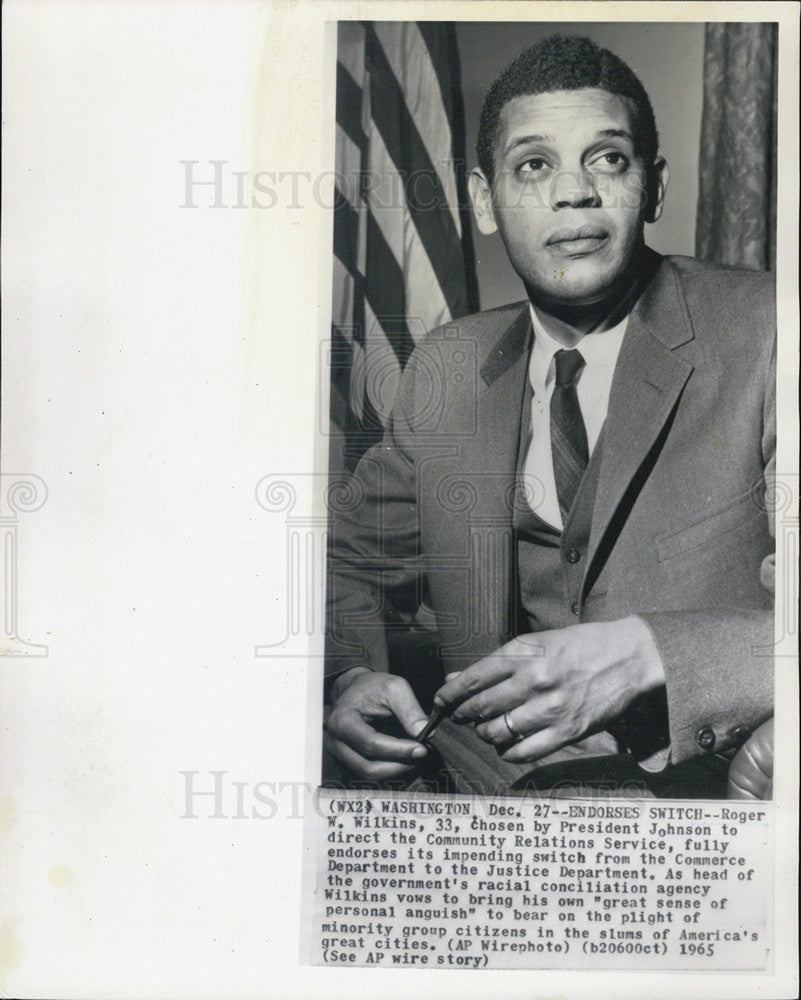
x: 434, y: 720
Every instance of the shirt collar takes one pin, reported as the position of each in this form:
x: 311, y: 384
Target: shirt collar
x: 597, y: 349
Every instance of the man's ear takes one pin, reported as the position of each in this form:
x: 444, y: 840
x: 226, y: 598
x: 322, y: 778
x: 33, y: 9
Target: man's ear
x: 481, y: 197
x: 658, y: 177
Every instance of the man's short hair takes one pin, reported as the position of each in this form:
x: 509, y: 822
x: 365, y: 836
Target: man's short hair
x: 566, y: 62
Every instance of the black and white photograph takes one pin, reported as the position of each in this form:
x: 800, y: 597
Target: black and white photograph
x: 557, y: 542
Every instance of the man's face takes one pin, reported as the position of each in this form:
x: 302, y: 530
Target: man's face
x: 570, y: 195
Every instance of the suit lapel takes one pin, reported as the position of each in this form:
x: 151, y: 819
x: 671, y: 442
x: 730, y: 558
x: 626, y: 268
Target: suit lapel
x: 493, y: 455
x: 647, y: 383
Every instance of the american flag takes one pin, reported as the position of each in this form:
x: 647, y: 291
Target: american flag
x: 403, y: 260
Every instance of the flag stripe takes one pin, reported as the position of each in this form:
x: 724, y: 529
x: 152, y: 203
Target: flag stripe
x: 401, y: 236
x: 349, y: 106
x: 348, y: 170
x: 341, y: 361
x: 424, y: 299
x: 412, y: 67
x: 436, y: 38
x: 424, y: 194
x: 350, y: 49
x: 345, y: 289
x: 346, y: 235
x: 385, y: 291
x: 382, y: 365
x: 441, y: 40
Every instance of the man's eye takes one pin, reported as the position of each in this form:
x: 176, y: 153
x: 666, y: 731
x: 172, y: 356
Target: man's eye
x: 612, y: 161
x: 533, y: 165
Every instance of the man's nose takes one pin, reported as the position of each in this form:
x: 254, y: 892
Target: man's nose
x: 574, y: 189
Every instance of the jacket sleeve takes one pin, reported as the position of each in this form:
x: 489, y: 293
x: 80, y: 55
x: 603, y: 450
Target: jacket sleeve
x: 719, y: 662
x: 374, y: 566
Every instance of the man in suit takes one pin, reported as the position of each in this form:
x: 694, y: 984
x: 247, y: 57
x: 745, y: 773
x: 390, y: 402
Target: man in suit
x: 586, y: 503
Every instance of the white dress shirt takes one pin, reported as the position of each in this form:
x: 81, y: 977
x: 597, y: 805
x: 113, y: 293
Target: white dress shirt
x: 600, y: 351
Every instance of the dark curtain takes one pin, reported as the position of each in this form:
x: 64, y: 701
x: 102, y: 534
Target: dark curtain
x: 736, y: 221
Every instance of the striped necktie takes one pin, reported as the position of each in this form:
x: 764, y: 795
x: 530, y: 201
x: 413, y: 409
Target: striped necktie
x: 568, y: 435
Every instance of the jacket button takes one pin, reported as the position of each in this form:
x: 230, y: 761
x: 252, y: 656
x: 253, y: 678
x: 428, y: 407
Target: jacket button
x: 575, y: 608
x: 739, y: 735
x: 705, y: 738
x: 573, y: 556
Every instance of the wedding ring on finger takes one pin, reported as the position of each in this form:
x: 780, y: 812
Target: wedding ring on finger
x: 512, y: 731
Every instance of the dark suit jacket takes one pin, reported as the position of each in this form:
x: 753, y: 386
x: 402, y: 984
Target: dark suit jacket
x: 680, y: 531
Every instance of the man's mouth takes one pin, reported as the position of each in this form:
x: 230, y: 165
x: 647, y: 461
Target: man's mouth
x: 583, y: 239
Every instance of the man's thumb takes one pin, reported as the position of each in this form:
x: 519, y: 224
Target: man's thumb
x: 406, y: 708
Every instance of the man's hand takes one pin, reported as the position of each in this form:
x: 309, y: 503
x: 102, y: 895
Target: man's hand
x: 361, y: 696
x: 555, y: 687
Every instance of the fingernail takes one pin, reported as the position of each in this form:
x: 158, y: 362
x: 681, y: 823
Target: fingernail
x: 438, y: 702
x: 420, y: 751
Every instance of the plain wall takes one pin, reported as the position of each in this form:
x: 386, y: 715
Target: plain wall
x: 668, y: 58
